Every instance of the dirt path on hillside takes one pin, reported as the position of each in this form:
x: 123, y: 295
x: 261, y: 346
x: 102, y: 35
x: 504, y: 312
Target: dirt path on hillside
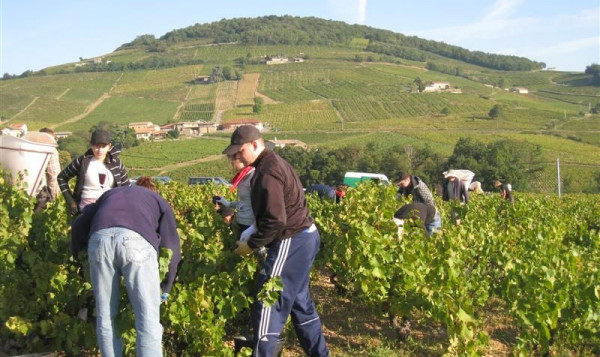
x: 63, y: 93
x: 87, y: 111
x: 218, y: 117
x: 180, y: 106
x: 91, y: 107
x: 23, y: 110
x: 266, y: 100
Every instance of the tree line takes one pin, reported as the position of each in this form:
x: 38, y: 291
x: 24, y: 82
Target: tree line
x: 290, y: 30
x: 508, y: 160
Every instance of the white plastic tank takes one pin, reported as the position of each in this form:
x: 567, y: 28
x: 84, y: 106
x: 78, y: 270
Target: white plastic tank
x: 28, y: 155
x: 465, y: 176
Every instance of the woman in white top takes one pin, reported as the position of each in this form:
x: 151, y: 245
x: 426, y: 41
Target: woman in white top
x: 97, y: 171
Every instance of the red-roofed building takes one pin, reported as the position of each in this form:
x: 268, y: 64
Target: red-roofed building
x: 144, y: 133
x: 16, y: 130
x: 142, y: 124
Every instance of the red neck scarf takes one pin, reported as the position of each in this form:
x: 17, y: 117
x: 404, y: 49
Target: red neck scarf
x: 239, y: 176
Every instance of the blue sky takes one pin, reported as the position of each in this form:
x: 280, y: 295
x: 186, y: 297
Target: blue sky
x: 40, y: 33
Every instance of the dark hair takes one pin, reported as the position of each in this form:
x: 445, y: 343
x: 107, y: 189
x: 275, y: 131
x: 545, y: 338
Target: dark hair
x: 146, y: 181
x: 401, y: 176
x: 225, y: 211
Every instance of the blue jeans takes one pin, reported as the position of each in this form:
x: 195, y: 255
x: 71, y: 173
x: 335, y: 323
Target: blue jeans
x: 116, y: 252
x: 434, y: 225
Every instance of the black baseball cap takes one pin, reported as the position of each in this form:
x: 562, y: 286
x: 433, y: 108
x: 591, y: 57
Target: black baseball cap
x: 242, y: 135
x: 401, y: 176
x: 100, y: 136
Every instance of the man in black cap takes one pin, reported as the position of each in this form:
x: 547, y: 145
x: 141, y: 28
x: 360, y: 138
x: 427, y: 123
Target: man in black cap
x: 286, y: 229
x: 97, y: 171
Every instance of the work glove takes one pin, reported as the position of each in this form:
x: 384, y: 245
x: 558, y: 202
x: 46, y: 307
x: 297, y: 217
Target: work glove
x: 245, y: 236
x: 242, y: 248
x: 73, y: 209
x: 164, y: 297
x: 222, y: 201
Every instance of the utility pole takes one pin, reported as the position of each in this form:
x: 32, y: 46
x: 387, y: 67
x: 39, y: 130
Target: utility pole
x: 558, y: 175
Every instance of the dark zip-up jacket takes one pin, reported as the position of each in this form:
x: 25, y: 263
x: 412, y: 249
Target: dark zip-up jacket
x: 424, y: 212
x: 78, y: 168
x: 459, y: 191
x: 278, y: 201
x: 138, y: 209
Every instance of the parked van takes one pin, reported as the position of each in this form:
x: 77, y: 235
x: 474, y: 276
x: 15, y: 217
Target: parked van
x: 352, y: 179
x: 205, y: 180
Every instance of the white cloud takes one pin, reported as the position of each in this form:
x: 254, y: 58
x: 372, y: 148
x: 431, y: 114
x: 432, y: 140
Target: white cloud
x: 497, y: 23
x: 501, y: 9
x: 362, y: 11
x: 584, y: 18
x: 567, y: 47
x: 351, y: 11
x: 544, y: 38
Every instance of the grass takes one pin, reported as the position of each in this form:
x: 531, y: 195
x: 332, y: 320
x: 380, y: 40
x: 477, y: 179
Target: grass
x: 329, y: 100
x: 40, y: 101
x: 154, y: 155
x: 219, y: 167
x: 124, y: 110
x: 367, y: 331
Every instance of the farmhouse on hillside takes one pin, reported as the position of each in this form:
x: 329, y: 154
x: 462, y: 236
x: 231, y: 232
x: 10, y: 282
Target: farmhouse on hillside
x: 274, y: 143
x: 233, y: 124
x: 202, y: 80
x: 143, y: 125
x: 519, y: 90
x: 277, y: 60
x: 144, y: 133
x: 16, y: 130
x: 280, y: 60
x: 436, y: 86
x: 147, y: 130
x: 62, y: 134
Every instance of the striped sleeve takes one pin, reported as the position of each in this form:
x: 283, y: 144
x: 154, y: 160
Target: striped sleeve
x: 67, y: 174
x: 119, y: 173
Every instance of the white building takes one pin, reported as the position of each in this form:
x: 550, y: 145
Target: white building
x: 519, y: 90
x: 16, y: 130
x: 437, y: 87
x: 277, y: 60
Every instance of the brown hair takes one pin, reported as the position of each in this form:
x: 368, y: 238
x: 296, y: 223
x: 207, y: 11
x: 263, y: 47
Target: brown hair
x: 146, y: 181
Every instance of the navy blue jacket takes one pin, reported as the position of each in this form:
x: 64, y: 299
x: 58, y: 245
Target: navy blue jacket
x: 324, y: 191
x: 138, y: 209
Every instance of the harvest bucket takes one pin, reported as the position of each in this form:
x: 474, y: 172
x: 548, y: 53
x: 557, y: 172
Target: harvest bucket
x: 28, y: 155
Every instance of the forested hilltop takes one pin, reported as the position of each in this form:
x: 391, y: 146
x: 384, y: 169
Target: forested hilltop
x: 290, y: 30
